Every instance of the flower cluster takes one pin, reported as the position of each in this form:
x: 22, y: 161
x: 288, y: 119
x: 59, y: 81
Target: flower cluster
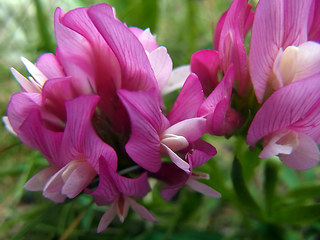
x: 95, y: 109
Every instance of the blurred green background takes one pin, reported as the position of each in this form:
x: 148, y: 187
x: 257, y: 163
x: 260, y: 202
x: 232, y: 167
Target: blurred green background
x: 261, y: 199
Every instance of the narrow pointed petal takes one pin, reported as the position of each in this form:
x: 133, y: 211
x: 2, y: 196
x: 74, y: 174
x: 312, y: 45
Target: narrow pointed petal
x: 202, y: 188
x: 177, y: 79
x: 188, y: 102
x: 305, y: 156
x: 38, y: 181
x: 107, y: 218
x: 141, y: 210
x: 8, y: 126
x: 177, y: 160
x: 34, y: 71
x: 26, y: 85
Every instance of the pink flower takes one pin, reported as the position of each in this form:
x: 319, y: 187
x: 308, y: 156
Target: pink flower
x: 280, y: 52
x: 152, y: 134
x: 118, y: 191
x: 289, y: 124
x: 73, y: 154
x: 229, y: 40
x: 69, y: 108
x: 177, y: 178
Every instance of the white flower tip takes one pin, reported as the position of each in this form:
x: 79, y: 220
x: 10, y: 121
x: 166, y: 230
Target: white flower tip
x: 8, y: 126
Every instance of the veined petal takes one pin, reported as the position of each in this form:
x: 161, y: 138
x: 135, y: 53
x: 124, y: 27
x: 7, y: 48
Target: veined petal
x: 80, y: 140
x: 296, y: 16
x: 266, y: 40
x: 188, y: 102
x: 202, y: 152
x: 287, y: 106
x: 137, y: 73
x: 314, y: 22
x: 146, y: 124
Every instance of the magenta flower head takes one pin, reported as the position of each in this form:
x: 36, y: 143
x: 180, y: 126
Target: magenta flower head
x: 94, y: 110
x: 280, y: 52
x: 69, y: 108
x: 289, y: 124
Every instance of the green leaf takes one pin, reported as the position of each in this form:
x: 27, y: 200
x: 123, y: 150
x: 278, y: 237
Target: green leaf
x: 270, y: 183
x: 244, y: 197
x: 297, y: 214
x: 305, y: 192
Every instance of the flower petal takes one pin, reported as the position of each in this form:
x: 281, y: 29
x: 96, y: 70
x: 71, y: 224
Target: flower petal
x: 202, y: 188
x: 305, y: 156
x: 146, y: 124
x: 177, y: 160
x: 107, y: 218
x: 38, y: 181
x: 188, y: 102
x: 49, y: 65
x: 177, y: 78
x: 142, y: 211
x: 137, y: 73
x: 287, y: 106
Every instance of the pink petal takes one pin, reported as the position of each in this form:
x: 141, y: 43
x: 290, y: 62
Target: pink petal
x: 37, y: 136
x: 305, y: 156
x: 146, y: 122
x: 142, y: 211
x: 50, y: 66
x: 202, y: 188
x: 296, y: 16
x: 266, y: 40
x: 177, y: 79
x: 107, y: 190
x: 177, y: 160
x: 161, y: 64
x: 222, y: 92
x: 147, y: 40
x: 206, y: 63
x: 287, y: 106
x: 80, y: 140
x: 192, y: 129
x: 38, y: 181
x: 188, y: 102
x: 25, y: 84
x: 78, y: 180
x: 52, y: 189
x: 137, y: 73
x: 107, y: 218
x: 314, y: 22
x: 202, y: 152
